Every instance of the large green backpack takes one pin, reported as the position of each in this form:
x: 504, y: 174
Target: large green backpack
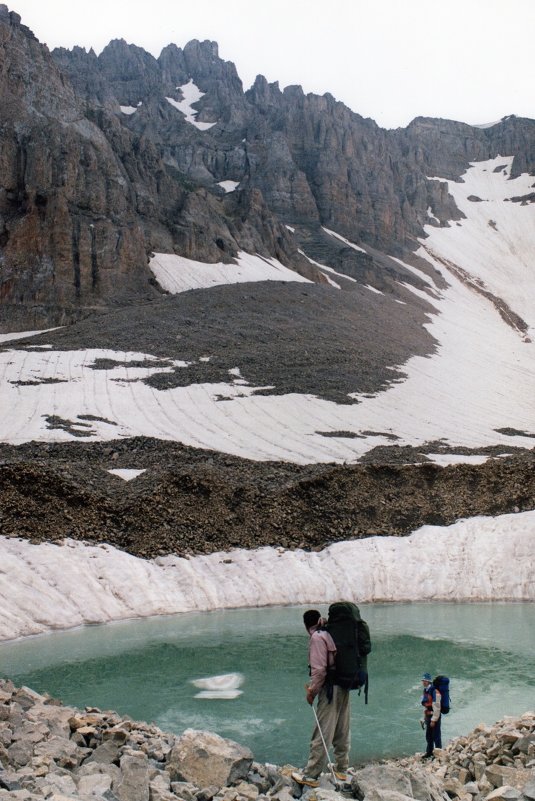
x: 351, y: 636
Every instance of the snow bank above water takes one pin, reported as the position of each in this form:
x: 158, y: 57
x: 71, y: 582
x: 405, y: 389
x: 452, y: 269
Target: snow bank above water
x: 47, y: 586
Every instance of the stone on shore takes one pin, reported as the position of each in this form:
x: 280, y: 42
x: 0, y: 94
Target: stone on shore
x: 49, y: 752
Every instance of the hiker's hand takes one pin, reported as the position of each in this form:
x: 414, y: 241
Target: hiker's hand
x: 310, y: 697
x: 433, y: 724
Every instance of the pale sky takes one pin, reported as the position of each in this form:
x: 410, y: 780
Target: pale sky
x: 392, y: 60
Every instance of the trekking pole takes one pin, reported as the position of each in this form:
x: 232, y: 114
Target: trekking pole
x: 329, y: 763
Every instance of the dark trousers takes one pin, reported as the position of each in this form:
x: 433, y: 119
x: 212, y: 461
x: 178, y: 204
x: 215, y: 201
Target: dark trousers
x: 433, y: 736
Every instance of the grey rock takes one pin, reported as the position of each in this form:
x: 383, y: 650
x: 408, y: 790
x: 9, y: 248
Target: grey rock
x: 27, y: 698
x: 204, y: 794
x: 55, y: 718
x: 98, y: 769
x: 286, y: 794
x: 207, y: 759
x: 472, y: 788
x: 94, y: 784
x: 382, y: 794
x: 523, y: 743
x: 20, y: 753
x: 9, y: 781
x: 187, y: 791
x: 386, y: 777
x: 108, y: 752
x: 57, y: 783
x: 504, y: 793
x: 529, y: 790
x: 500, y: 775
x: 64, y: 752
x: 133, y: 784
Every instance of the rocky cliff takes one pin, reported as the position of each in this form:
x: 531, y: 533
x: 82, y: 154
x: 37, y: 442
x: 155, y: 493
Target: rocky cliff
x: 101, y: 165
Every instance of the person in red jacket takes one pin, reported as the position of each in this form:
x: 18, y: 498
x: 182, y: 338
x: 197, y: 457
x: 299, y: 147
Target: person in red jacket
x: 431, y: 700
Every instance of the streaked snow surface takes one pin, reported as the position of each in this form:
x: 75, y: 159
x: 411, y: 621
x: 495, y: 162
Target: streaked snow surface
x: 49, y: 586
x: 481, y: 377
x: 178, y: 274
x: 495, y: 244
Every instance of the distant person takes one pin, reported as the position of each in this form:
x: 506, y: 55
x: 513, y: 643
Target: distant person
x: 431, y: 701
x: 332, y: 713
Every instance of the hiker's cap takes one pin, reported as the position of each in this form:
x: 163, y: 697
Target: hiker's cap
x: 427, y: 677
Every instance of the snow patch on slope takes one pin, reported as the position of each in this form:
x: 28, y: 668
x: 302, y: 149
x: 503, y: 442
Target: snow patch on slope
x: 47, y: 586
x: 23, y: 334
x: 476, y: 390
x: 343, y: 239
x: 191, y: 94
x: 495, y: 244
x: 177, y: 274
x: 229, y: 186
x: 126, y: 473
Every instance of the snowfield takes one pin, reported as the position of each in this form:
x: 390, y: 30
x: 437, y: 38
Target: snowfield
x: 477, y: 386
x: 46, y: 586
x: 177, y: 274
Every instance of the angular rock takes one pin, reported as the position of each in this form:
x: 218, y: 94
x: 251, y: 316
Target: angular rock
x: 108, y: 752
x: 64, y: 752
x: 20, y: 753
x: 505, y: 793
x: 95, y: 784
x: 133, y: 784
x: 204, y: 759
x: 529, y: 790
x: 499, y: 775
x: 188, y: 791
x: 383, y: 794
x: 523, y: 743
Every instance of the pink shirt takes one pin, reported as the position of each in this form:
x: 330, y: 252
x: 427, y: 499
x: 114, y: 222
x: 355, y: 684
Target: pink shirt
x: 321, y: 653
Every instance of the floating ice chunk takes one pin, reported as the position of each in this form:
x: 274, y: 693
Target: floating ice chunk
x: 223, y: 695
x: 221, y: 683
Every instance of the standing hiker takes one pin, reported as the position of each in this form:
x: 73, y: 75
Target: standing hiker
x: 332, y: 709
x: 431, y: 702
x: 337, y: 661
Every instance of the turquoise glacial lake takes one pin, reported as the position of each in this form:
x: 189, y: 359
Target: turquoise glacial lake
x: 145, y: 669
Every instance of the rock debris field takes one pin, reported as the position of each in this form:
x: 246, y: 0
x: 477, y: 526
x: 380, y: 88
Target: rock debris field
x: 56, y: 752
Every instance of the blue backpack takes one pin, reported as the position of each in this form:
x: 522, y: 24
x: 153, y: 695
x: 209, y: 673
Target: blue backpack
x: 442, y: 684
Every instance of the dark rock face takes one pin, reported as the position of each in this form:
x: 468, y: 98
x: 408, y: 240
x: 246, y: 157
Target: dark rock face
x: 88, y: 191
x: 71, y: 241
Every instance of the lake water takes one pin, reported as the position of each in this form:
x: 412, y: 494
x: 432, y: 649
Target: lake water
x: 145, y: 669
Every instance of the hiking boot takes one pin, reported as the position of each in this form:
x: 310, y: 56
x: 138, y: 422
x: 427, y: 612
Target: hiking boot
x: 341, y: 775
x: 300, y: 778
